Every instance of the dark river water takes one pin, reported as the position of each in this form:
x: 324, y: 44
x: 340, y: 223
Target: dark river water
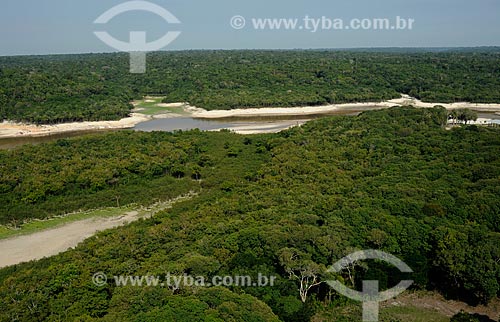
x: 182, y: 123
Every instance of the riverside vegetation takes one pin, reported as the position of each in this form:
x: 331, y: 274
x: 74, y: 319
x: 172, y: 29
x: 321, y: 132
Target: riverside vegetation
x: 286, y: 204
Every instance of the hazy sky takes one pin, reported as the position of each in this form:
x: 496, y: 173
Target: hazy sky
x: 66, y: 26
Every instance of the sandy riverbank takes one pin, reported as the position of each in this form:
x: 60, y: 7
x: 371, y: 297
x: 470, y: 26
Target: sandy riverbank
x: 288, y: 111
x: 270, y: 127
x: 17, y: 130
x: 405, y: 100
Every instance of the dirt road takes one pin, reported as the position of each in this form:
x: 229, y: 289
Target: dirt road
x: 53, y: 241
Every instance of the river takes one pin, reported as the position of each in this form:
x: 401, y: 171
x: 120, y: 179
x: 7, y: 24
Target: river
x: 246, y: 125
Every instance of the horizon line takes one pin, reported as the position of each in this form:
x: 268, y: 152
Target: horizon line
x: 268, y: 49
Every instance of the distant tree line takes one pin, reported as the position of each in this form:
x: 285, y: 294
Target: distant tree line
x: 54, y: 89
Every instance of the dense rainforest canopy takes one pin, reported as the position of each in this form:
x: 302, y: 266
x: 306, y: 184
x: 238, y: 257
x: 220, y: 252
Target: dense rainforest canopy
x: 54, y: 89
x: 393, y: 180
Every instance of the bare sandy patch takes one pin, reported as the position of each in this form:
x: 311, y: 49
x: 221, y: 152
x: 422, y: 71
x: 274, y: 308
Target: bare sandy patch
x: 405, y: 100
x: 166, y: 116
x: 435, y: 301
x: 259, y: 128
x: 12, y: 130
x: 169, y: 105
x: 286, y: 111
x: 193, y: 109
x: 153, y: 98
x: 53, y: 241
x: 480, y: 107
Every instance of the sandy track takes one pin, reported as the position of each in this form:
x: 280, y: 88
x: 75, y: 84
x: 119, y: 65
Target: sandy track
x: 435, y: 301
x: 56, y: 240
x: 53, y: 241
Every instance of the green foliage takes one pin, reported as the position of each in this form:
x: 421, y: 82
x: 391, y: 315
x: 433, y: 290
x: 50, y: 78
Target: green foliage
x: 288, y: 203
x: 463, y: 115
x: 206, y: 305
x: 353, y: 313
x: 466, y: 262
x: 466, y: 317
x: 114, y: 169
x: 54, y: 89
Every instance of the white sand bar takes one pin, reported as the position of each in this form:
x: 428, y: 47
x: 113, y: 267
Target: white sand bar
x: 13, y: 130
